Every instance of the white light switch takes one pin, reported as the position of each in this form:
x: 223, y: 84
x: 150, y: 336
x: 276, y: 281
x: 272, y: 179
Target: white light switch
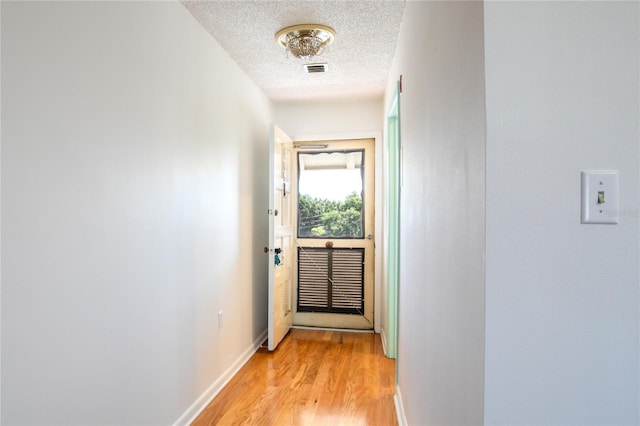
x: 600, y: 197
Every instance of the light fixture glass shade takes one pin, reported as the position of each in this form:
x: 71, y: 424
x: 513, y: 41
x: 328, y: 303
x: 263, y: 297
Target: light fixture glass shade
x: 305, y: 41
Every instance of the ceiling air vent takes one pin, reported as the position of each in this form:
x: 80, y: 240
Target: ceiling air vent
x: 315, y: 68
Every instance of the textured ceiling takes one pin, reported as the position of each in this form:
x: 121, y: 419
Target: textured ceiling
x: 358, y: 60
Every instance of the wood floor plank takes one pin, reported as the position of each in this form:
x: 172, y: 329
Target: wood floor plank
x: 312, y: 378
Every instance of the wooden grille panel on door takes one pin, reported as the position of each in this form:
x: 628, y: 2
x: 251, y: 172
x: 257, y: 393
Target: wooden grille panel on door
x: 331, y: 280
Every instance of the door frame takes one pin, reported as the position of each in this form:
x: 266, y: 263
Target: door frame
x: 378, y: 206
x: 393, y: 194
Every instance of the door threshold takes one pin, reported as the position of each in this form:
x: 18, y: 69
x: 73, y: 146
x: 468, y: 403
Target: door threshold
x: 344, y: 330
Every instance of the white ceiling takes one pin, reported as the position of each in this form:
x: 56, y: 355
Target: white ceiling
x: 358, y: 60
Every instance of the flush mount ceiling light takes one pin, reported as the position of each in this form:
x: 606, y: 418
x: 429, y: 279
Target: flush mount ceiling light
x: 305, y: 41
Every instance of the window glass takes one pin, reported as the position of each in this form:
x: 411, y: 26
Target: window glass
x: 330, y: 194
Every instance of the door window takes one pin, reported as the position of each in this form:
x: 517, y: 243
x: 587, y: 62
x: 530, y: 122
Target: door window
x: 330, y: 194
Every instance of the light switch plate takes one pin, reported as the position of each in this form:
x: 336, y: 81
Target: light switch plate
x: 599, y: 196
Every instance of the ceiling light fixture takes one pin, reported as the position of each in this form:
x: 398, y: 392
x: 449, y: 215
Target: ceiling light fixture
x: 305, y: 41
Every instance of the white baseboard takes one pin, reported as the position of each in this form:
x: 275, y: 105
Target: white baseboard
x: 383, y: 337
x: 212, y: 391
x: 400, y: 414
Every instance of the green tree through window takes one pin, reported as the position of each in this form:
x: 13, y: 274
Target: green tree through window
x: 326, y: 218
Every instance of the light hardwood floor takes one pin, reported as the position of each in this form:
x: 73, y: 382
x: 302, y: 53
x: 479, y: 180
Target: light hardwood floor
x: 313, y: 378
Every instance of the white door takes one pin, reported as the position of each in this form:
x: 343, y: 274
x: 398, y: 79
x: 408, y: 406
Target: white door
x: 280, y: 248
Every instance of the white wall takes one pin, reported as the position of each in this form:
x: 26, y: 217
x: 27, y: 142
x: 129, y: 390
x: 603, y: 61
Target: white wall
x: 562, y: 298
x: 304, y: 118
x: 0, y: 217
x: 441, y: 298
x: 133, y: 195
